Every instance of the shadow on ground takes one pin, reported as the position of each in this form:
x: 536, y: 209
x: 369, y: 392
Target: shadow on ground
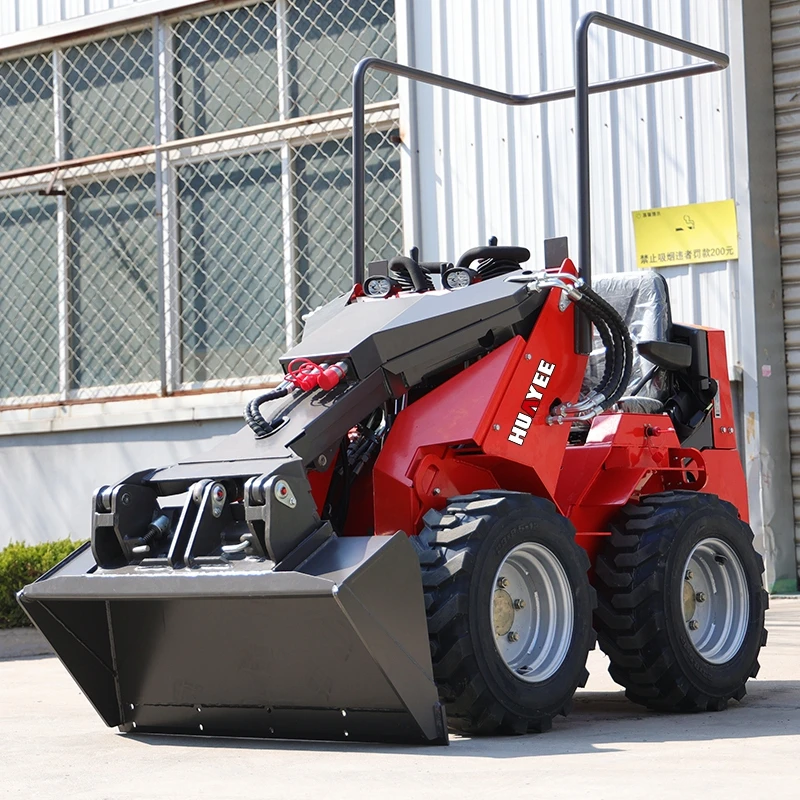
x: 770, y: 709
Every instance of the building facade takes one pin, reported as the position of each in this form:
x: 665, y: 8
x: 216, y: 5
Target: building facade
x: 175, y: 196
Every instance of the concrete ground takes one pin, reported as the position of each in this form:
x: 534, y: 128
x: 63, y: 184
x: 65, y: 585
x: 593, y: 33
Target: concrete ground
x: 52, y: 745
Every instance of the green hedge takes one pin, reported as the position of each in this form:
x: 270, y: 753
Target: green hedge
x: 21, y: 564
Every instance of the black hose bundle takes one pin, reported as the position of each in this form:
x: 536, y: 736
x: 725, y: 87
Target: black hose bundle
x: 253, y: 416
x: 617, y: 341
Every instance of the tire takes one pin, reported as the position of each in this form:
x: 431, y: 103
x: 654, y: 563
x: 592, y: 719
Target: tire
x: 680, y: 602
x: 461, y: 551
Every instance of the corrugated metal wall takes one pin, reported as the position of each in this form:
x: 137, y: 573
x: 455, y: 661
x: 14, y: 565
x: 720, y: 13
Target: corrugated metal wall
x: 786, y: 76
x: 488, y: 169
x: 40, y: 18
x: 19, y: 15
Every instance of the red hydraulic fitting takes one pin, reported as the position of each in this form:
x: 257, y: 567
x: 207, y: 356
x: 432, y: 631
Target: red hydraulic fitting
x: 332, y: 376
x: 303, y: 373
x: 306, y: 380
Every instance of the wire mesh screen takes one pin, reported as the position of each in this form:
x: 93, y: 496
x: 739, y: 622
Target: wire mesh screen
x: 326, y: 37
x: 108, y: 94
x: 113, y: 280
x: 29, y: 295
x: 174, y: 200
x: 231, y: 225
x: 26, y: 112
x: 323, y: 170
x: 238, y: 48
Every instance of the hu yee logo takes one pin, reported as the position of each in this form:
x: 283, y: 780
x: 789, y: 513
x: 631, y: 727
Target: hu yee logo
x: 530, y: 405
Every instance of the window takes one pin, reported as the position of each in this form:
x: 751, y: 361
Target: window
x: 26, y: 112
x: 113, y: 308
x: 201, y: 203
x: 108, y: 95
x: 231, y: 274
x: 28, y: 295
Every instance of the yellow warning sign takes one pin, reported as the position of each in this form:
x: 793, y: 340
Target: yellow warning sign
x: 695, y: 234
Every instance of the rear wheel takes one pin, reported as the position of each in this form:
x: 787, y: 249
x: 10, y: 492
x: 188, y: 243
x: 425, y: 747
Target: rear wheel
x: 681, y: 603
x: 509, y: 611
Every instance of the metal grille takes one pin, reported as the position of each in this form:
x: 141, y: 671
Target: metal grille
x: 28, y: 297
x: 231, y: 222
x: 192, y: 196
x: 113, y: 281
x: 214, y: 53
x: 108, y: 95
x: 328, y: 37
x: 26, y: 112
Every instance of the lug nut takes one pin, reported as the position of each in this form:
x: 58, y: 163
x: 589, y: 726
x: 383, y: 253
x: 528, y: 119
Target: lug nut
x: 693, y: 624
x: 502, y: 583
x: 689, y: 575
x: 513, y: 636
x: 700, y: 597
x: 518, y: 604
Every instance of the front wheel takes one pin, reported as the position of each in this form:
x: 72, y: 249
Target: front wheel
x: 509, y: 611
x: 681, y: 603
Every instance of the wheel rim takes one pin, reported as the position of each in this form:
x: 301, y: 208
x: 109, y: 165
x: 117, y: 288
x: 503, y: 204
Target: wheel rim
x: 716, y: 603
x: 531, y: 611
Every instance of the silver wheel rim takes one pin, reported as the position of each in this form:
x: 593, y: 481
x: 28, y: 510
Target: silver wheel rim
x: 716, y: 603
x: 531, y: 611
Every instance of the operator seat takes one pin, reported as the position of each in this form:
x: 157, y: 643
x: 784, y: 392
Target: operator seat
x: 641, y: 298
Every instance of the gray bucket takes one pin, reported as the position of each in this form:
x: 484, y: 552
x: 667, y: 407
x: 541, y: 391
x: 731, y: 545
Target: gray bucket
x: 336, y: 649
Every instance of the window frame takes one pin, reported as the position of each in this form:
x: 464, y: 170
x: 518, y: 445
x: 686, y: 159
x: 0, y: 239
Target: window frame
x: 164, y: 157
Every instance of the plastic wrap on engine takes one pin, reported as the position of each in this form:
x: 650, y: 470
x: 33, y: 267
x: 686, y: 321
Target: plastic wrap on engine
x: 642, y: 300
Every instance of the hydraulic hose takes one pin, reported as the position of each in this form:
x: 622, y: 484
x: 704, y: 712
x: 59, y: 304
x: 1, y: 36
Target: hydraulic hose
x: 607, y: 337
x: 623, y: 351
x: 627, y: 346
x: 617, y: 342
x: 253, y: 416
x: 613, y: 332
x: 615, y: 351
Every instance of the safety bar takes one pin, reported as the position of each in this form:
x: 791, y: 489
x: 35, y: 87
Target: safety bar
x: 712, y: 62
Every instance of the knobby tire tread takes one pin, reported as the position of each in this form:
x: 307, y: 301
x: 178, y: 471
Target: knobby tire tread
x: 630, y: 615
x: 447, y: 548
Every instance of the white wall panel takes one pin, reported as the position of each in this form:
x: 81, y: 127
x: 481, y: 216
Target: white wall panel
x: 493, y: 170
x: 72, y: 464
x: 20, y: 15
x: 41, y: 18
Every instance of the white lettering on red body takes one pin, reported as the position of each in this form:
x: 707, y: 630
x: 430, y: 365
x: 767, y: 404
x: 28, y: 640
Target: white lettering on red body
x: 539, y: 382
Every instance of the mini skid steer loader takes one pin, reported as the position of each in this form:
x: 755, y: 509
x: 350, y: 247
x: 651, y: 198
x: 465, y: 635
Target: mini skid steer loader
x: 422, y: 527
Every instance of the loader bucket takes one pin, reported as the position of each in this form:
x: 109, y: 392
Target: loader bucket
x: 336, y: 649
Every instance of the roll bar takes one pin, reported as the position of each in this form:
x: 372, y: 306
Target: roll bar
x: 712, y: 61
